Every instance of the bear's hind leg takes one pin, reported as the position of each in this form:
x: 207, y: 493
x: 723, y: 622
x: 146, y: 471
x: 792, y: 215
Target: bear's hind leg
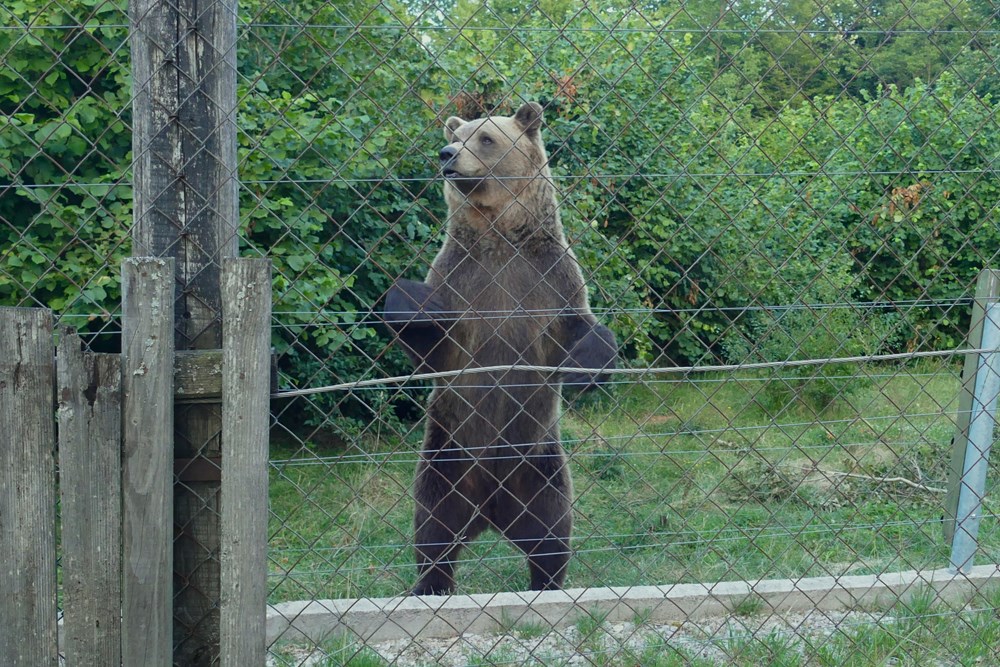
x: 444, y: 520
x: 540, y: 526
x: 548, y: 556
x: 548, y: 559
x: 437, y: 547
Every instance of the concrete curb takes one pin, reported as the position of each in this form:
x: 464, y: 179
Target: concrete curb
x: 384, y: 619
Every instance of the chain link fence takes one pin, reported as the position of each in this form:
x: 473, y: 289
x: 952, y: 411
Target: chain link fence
x: 780, y: 210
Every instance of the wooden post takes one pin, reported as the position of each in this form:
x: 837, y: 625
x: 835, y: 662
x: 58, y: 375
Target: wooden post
x: 186, y: 206
x: 246, y: 388
x: 89, y: 394
x: 987, y: 292
x: 147, y: 460
x: 27, y: 490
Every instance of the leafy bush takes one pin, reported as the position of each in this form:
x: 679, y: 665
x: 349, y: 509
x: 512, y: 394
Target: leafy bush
x: 803, y: 332
x: 64, y: 151
x: 696, y: 200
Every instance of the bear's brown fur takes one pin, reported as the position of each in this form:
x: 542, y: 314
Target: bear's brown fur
x: 505, y: 289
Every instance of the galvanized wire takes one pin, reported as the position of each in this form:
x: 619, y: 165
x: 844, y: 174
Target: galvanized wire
x: 779, y: 212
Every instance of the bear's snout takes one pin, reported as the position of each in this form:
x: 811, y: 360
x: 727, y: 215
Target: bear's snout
x: 447, y: 154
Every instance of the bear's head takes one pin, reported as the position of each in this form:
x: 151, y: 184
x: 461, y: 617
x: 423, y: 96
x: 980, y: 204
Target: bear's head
x: 490, y: 161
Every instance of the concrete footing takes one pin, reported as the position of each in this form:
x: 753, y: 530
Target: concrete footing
x: 384, y: 619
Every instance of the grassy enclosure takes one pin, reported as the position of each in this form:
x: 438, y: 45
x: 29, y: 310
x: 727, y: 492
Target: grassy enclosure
x: 679, y: 479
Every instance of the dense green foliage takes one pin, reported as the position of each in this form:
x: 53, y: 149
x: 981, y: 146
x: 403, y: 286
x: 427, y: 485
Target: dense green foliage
x: 66, y: 147
x: 710, y: 163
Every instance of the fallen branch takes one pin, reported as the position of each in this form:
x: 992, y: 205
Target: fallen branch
x: 900, y: 480
x: 872, y: 478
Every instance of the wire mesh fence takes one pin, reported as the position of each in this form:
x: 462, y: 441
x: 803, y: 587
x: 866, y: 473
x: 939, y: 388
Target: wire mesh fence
x: 779, y: 211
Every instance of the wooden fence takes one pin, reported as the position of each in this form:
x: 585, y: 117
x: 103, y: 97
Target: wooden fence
x: 113, y: 466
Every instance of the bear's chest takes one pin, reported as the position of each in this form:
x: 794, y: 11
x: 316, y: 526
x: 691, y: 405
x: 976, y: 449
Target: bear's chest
x: 507, y: 302
x: 512, y: 283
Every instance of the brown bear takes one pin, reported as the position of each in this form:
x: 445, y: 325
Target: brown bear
x: 504, y: 290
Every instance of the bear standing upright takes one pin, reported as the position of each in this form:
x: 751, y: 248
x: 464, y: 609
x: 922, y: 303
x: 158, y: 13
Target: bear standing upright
x: 504, y: 290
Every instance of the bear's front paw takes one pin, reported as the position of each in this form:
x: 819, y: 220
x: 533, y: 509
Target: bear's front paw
x: 596, y: 348
x: 409, y: 303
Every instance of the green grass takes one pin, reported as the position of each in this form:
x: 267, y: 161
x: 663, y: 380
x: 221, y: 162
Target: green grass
x: 642, y: 617
x: 590, y: 628
x: 773, y: 649
x: 661, y: 654
x: 338, y: 652
x: 674, y: 482
x: 751, y: 605
x: 920, y: 630
x: 495, y: 658
x: 522, y: 629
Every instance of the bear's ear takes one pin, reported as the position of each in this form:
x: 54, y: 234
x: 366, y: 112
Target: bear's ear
x: 450, y: 126
x: 529, y: 118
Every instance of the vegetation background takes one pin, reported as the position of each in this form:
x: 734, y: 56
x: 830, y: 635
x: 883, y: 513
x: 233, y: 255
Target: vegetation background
x: 712, y: 160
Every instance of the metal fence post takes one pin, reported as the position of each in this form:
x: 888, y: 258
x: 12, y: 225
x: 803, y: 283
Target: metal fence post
x: 976, y: 422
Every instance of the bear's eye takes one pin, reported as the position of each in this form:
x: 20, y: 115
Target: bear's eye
x: 486, y: 140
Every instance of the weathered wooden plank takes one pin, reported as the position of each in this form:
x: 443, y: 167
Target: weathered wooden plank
x: 89, y: 394
x: 186, y: 201
x: 187, y: 206
x: 147, y: 460
x: 27, y: 490
x: 246, y: 387
x: 198, y: 375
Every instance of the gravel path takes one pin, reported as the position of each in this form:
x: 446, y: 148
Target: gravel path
x: 614, y: 643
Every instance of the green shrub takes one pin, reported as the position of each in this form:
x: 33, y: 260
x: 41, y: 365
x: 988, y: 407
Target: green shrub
x: 696, y: 201
x: 804, y: 332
